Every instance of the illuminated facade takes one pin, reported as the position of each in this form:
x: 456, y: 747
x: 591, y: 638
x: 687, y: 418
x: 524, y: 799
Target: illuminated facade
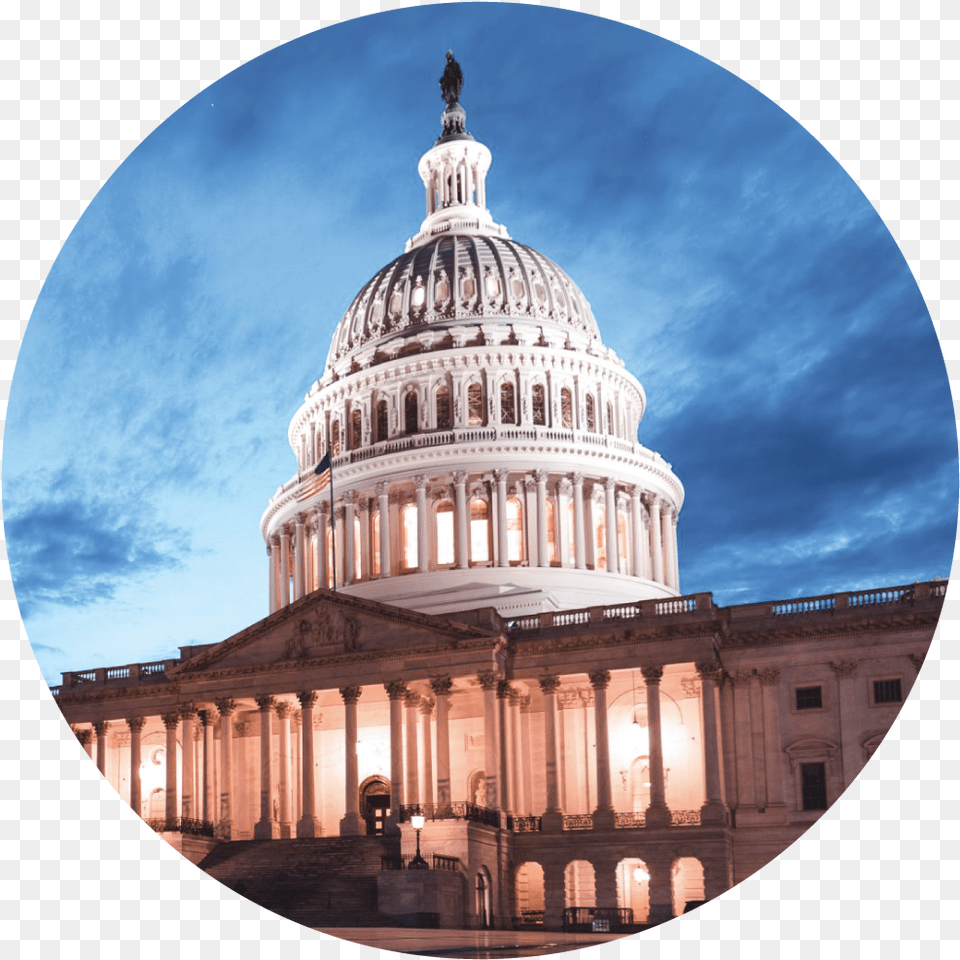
x: 507, y: 652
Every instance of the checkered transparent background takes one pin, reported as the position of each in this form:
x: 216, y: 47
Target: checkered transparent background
x: 81, y: 87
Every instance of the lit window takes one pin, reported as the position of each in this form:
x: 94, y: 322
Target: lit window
x: 375, y: 545
x: 357, y: 557
x: 809, y: 698
x: 566, y: 408
x: 492, y: 286
x: 551, y: 533
x: 813, y: 781
x: 383, y: 421
x: 335, y: 437
x: 887, y: 691
x: 600, y: 539
x: 356, y: 428
x: 591, y: 414
x: 443, y: 408
x: 514, y: 531
x: 539, y: 405
x: 418, y: 297
x: 408, y: 530
x: 479, y: 532
x: 508, y: 412
x: 475, y: 404
x: 445, y: 550
x: 410, y: 420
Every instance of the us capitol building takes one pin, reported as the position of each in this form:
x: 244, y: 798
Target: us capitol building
x: 480, y: 697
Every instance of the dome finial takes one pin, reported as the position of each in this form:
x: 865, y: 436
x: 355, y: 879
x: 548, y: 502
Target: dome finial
x: 454, y: 116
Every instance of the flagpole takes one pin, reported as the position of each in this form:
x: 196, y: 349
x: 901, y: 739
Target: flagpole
x: 333, y: 529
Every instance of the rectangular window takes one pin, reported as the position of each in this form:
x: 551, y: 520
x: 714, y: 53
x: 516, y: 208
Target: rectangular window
x: 814, y: 785
x: 809, y: 698
x: 887, y: 691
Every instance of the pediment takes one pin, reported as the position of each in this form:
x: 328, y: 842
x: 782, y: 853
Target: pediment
x: 327, y: 625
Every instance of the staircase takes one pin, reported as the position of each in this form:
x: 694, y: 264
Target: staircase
x: 323, y: 882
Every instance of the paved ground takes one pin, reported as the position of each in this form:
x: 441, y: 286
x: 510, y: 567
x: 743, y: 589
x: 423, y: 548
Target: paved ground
x: 469, y: 943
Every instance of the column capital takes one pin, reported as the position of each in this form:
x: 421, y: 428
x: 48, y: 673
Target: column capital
x: 504, y: 689
x: 488, y: 680
x: 599, y: 679
x: 412, y: 699
x: 349, y: 497
x: 708, y: 670
x: 420, y: 482
x: 82, y: 735
x: 769, y: 677
x: 549, y: 684
x: 565, y: 486
x: 541, y: 476
x: 426, y: 706
x: 188, y: 711
x: 136, y: 723
x: 652, y: 674
x: 441, y: 686
x: 170, y: 720
x: 307, y: 698
x: 652, y: 500
x: 265, y: 702
x: 396, y: 689
x: 101, y: 727
x: 350, y: 694
x: 383, y: 488
x: 460, y: 477
x: 609, y: 484
x: 204, y: 717
x: 741, y: 678
x: 225, y: 706
x: 282, y: 709
x: 500, y: 476
x: 844, y: 668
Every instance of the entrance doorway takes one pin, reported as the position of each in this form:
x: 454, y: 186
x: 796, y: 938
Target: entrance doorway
x: 375, y: 804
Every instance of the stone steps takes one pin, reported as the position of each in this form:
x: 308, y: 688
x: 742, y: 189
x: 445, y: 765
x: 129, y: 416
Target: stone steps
x: 328, y: 881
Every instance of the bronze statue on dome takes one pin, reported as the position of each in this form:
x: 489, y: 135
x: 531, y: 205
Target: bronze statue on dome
x: 451, y: 83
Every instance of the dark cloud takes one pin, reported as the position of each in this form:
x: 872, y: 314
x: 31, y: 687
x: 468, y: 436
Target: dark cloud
x: 75, y: 552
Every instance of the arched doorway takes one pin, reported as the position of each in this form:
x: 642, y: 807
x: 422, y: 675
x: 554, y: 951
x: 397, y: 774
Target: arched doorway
x: 375, y: 804
x: 484, y: 904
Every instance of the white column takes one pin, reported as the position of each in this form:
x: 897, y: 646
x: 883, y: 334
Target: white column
x: 666, y: 520
x: 422, y: 558
x: 580, y: 532
x: 283, y: 780
x: 503, y: 557
x: 714, y: 810
x: 350, y: 824
x: 427, y: 793
x: 462, y: 520
x: 603, y: 815
x: 209, y: 793
x: 284, y: 568
x: 613, y: 551
x: 519, y: 799
x: 170, y: 722
x: 274, y: 573
x: 412, y: 790
x: 674, y: 556
x: 266, y: 828
x: 136, y: 797
x: 507, y: 788
x: 308, y: 825
x: 191, y: 804
x: 488, y: 683
x: 323, y: 521
x: 441, y: 687
x: 397, y: 691
x: 543, y: 550
x: 657, y: 812
x: 101, y: 727
x: 225, y: 708
x: 553, y: 815
x: 636, y: 529
x: 656, y: 543
x: 349, y: 561
x: 383, y: 499
x: 564, y: 534
x: 299, y: 565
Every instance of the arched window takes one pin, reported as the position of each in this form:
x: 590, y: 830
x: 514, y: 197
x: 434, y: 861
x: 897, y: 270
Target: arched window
x: 383, y: 420
x: 591, y: 414
x: 444, y: 420
x: 445, y: 548
x: 551, y: 533
x: 508, y: 407
x: 335, y: 437
x: 566, y: 408
x: 539, y: 405
x: 410, y: 419
x: 375, y: 545
x: 479, y: 531
x: 622, y: 542
x: 600, y: 539
x: 356, y: 428
x: 408, y: 534
x: 475, y: 405
x: 357, y: 550
x: 514, y: 530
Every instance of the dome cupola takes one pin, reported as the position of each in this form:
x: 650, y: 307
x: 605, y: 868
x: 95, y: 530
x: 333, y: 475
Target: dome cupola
x: 482, y: 437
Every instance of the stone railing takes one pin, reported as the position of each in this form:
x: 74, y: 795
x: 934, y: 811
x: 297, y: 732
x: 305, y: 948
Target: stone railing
x: 685, y: 818
x: 628, y: 821
x: 525, y: 824
x: 196, y: 828
x: 578, y: 821
x: 697, y: 605
x: 458, y: 810
x: 133, y: 673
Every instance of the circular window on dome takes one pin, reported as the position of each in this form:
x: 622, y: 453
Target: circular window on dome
x: 755, y: 311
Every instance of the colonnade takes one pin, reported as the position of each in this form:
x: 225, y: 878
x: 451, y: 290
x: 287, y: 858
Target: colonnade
x: 289, y: 787
x: 534, y: 519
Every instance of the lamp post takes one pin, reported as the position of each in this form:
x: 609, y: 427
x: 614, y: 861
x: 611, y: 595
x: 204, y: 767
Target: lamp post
x: 418, y: 863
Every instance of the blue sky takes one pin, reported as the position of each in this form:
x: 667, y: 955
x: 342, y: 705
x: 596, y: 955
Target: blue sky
x: 793, y: 377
